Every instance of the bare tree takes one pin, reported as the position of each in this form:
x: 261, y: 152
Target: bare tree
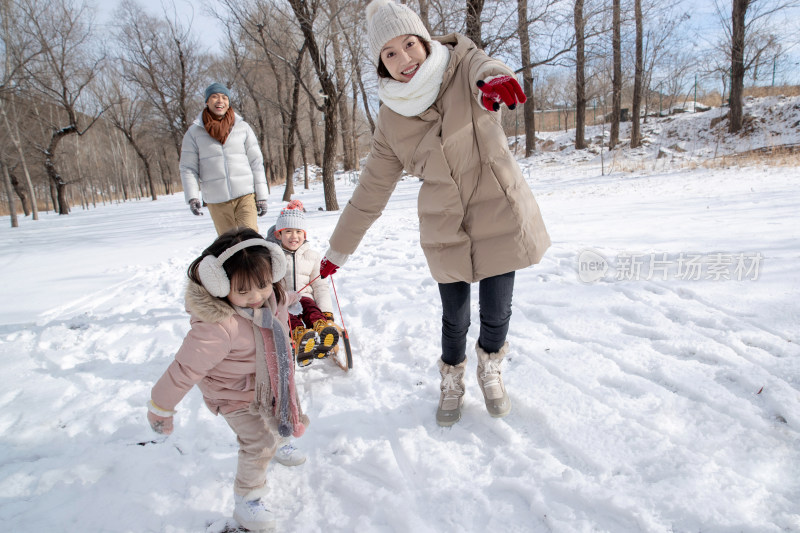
x: 342, y: 81
x: 246, y: 70
x: 306, y: 12
x: 580, y: 76
x: 19, y: 49
x: 637, y: 77
x: 474, y: 12
x: 12, y: 129
x: 616, y: 79
x: 751, y: 40
x: 545, y: 15
x: 163, y: 59
x: 666, y: 51
x: 12, y: 209
x: 738, y: 15
x: 68, y: 64
x: 127, y: 112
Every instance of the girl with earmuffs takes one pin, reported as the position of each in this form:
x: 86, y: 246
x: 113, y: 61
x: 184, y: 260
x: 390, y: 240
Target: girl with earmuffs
x: 239, y: 355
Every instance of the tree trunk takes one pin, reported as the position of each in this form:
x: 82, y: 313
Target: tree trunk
x: 20, y: 192
x: 12, y: 208
x: 616, y: 81
x: 580, y: 76
x: 528, y: 109
x: 423, y: 14
x: 292, y: 128
x: 354, y: 135
x: 304, y: 156
x: 143, y: 158
x: 52, y: 172
x: 474, y: 11
x: 328, y: 157
x: 636, y: 139
x: 301, y: 10
x: 15, y: 139
x: 312, y: 123
x: 736, y: 116
x: 348, y: 157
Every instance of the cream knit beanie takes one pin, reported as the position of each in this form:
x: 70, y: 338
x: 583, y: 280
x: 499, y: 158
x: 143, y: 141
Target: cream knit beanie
x: 386, y: 20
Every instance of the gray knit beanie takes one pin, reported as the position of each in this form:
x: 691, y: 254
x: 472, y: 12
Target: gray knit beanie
x: 215, y: 88
x: 386, y: 20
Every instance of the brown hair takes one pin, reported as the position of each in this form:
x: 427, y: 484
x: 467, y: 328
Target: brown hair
x: 383, y: 72
x: 249, y: 267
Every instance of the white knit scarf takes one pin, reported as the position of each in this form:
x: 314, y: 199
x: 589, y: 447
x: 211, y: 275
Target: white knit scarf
x: 415, y: 96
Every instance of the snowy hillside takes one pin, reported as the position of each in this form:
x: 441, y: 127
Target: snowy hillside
x: 654, y: 369
x: 686, y: 138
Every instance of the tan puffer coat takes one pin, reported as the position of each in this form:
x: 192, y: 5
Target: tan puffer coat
x: 218, y: 355
x: 478, y: 217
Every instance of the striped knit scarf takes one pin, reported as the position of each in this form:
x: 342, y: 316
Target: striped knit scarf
x: 276, y: 395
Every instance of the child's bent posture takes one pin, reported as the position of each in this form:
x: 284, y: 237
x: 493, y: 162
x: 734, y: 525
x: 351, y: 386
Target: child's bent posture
x: 313, y: 330
x: 238, y: 353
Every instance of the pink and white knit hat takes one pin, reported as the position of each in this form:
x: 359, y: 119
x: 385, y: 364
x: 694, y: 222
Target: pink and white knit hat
x: 292, y: 216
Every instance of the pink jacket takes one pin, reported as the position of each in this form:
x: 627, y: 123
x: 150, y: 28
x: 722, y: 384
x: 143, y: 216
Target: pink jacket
x: 218, y: 354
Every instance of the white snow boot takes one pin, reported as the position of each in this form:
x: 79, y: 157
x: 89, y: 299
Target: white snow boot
x: 252, y: 513
x: 494, y: 392
x: 288, y: 455
x: 452, y: 388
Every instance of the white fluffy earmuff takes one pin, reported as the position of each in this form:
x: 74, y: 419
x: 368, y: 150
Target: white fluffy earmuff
x: 213, y: 276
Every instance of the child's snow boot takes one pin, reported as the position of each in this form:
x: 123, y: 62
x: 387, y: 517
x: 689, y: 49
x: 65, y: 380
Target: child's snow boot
x: 304, y: 343
x: 452, y: 388
x: 252, y: 513
x: 494, y: 392
x: 287, y: 454
x: 328, y: 337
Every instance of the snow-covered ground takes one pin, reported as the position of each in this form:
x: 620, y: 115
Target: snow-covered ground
x: 654, y: 368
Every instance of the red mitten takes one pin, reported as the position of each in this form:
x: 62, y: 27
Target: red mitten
x: 505, y: 89
x: 326, y: 268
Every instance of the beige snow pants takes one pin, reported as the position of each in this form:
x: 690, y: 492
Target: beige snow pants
x: 257, y: 444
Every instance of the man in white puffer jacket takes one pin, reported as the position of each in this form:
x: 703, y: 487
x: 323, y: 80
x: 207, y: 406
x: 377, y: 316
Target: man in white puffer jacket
x: 221, y: 159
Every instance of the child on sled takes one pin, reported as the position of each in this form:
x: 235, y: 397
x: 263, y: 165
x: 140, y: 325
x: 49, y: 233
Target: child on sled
x: 313, y: 331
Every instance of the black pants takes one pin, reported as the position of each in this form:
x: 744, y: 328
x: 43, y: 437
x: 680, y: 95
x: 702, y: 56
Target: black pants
x: 494, y: 300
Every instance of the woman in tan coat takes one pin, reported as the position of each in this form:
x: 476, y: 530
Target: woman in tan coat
x: 479, y: 221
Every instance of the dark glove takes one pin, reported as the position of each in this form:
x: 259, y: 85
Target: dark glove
x: 326, y: 268
x: 194, y: 205
x: 503, y: 89
x: 261, y: 207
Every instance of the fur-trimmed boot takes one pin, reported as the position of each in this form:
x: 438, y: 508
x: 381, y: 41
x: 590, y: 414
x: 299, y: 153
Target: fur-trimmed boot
x: 452, y: 397
x: 494, y: 392
x: 251, y: 512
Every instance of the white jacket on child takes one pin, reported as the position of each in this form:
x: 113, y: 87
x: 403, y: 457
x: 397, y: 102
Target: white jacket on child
x: 302, y: 266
